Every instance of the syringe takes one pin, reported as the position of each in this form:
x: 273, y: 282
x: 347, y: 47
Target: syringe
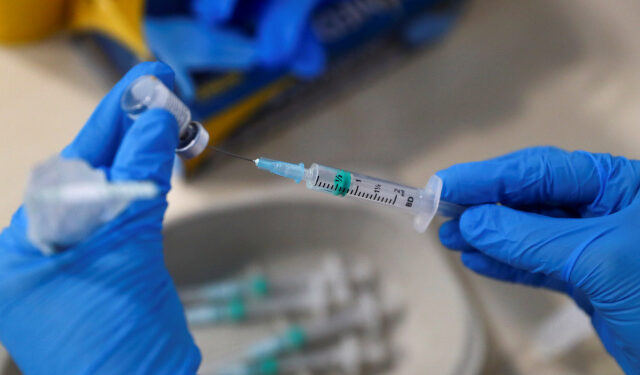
x: 369, y: 314
x: 340, y: 278
x: 315, y: 300
x: 423, y: 203
x: 255, y: 285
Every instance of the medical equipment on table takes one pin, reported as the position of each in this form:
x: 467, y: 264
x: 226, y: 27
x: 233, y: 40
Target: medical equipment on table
x: 337, y: 276
x: 315, y: 300
x: 369, y: 315
x: 344, y: 280
x: 351, y: 356
x: 148, y: 92
x: 254, y: 285
x: 341, y: 279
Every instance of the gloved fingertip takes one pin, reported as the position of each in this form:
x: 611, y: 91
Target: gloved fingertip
x: 155, y: 129
x: 489, y: 267
x: 446, y: 191
x: 155, y: 68
x: 157, y: 117
x: 147, y: 151
x: 475, y: 261
x: 474, y: 222
x: 448, y: 228
x: 451, y: 237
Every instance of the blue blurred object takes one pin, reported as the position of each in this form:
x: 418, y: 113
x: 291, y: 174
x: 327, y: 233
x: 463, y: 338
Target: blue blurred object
x: 213, y: 12
x: 281, y: 30
x: 428, y: 28
x: 277, y: 36
x: 568, y: 222
x: 310, y: 59
x: 283, y: 39
x: 106, y: 305
x: 208, y: 49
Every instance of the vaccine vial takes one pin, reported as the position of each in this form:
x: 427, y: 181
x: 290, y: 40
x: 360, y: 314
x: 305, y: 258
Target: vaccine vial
x: 148, y: 92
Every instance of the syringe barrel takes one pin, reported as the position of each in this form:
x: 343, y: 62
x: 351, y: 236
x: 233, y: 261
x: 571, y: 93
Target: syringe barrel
x: 148, y: 92
x: 344, y: 183
x: 423, y: 203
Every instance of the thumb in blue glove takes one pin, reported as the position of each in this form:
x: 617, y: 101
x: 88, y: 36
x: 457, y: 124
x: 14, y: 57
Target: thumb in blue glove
x: 106, y: 305
x: 567, y: 222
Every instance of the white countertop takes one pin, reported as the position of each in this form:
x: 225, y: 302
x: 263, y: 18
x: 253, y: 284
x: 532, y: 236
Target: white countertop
x: 512, y: 74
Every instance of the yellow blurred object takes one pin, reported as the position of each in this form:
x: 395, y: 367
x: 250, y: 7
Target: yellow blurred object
x: 121, y: 20
x: 28, y: 20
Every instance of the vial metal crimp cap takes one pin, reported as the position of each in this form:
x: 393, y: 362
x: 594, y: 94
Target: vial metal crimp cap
x: 193, y: 140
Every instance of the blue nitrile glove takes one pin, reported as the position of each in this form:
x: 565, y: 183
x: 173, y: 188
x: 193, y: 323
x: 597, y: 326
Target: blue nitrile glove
x: 567, y: 221
x: 212, y: 12
x: 284, y: 36
x: 106, y: 305
x: 208, y: 50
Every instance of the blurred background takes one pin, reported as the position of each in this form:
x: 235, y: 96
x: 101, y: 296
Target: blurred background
x: 393, y: 88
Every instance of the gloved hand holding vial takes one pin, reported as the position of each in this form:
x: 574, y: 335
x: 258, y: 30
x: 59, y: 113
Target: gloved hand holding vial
x: 105, y: 303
